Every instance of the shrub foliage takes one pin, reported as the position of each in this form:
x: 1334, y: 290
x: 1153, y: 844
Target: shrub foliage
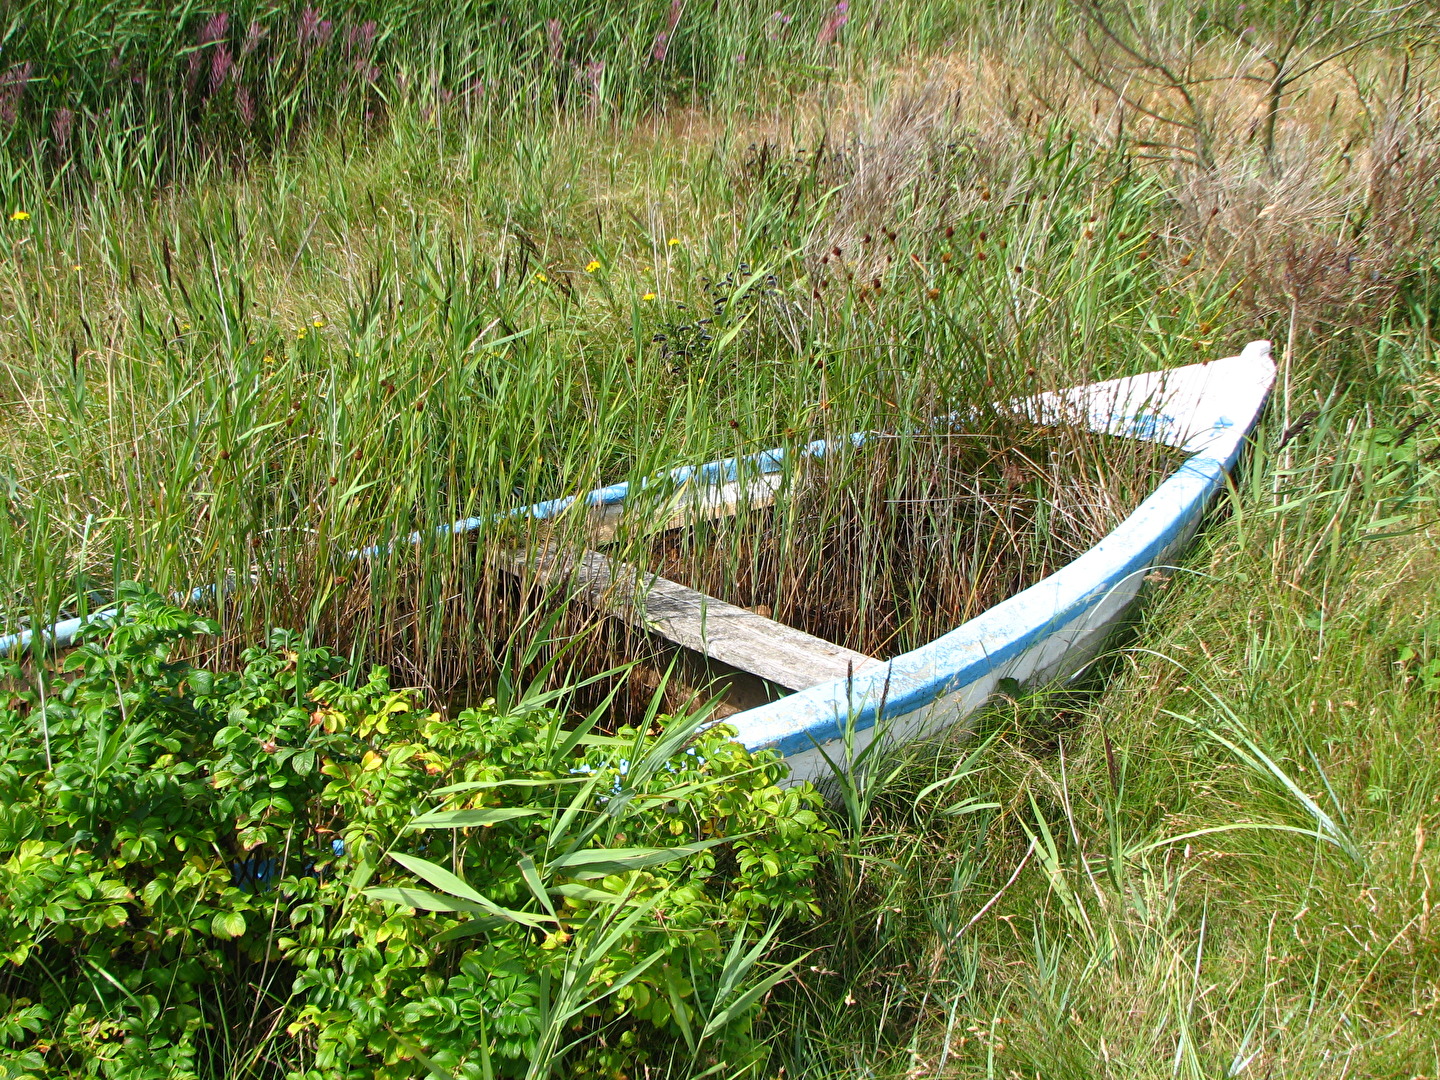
x: 292, y: 871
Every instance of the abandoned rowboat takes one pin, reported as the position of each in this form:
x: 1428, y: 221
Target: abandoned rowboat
x: 822, y: 691
x: 1039, y: 636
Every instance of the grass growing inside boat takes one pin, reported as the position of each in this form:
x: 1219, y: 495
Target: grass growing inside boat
x: 884, y: 547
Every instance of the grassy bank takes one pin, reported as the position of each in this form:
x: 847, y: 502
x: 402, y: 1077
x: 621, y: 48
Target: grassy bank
x: 523, y: 253
x: 1222, y: 864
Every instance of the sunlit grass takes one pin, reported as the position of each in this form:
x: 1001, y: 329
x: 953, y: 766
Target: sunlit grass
x: 231, y: 357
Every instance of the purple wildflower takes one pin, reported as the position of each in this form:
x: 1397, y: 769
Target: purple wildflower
x: 220, y: 65
x: 252, y: 39
x: 306, y: 28
x: 12, y: 89
x: 214, y: 29
x: 661, y: 48
x: 244, y: 105
x: 592, y: 73
x: 360, y: 39
x: 838, y: 18
x: 60, y: 127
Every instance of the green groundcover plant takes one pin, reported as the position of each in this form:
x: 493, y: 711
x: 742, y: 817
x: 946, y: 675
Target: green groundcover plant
x: 288, y: 871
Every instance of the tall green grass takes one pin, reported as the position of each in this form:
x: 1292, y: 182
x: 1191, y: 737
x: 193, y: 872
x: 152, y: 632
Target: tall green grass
x: 138, y: 95
x: 1219, y: 864
x: 255, y: 379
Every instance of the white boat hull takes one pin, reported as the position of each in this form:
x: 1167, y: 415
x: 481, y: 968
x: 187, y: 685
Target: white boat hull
x: 1043, y: 634
x: 1056, y: 626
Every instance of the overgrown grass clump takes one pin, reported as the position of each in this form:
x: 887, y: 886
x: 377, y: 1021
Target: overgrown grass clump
x: 142, y: 94
x: 517, y: 254
x: 884, y: 547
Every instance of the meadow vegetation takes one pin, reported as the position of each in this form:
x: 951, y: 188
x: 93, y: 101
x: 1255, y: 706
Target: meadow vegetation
x: 282, y: 283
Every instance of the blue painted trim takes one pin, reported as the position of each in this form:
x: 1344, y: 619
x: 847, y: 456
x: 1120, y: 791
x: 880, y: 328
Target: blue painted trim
x: 967, y: 654
x: 722, y: 470
x: 949, y: 663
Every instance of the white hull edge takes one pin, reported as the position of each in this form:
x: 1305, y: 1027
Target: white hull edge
x: 1051, y: 629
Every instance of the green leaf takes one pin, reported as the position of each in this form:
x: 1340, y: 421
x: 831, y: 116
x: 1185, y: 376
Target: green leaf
x: 585, y: 892
x: 466, y: 819
x: 600, y: 862
x: 469, y: 929
x: 485, y: 785
x: 457, y: 887
x: 969, y: 806
x: 745, y: 1000
x: 425, y: 901
x: 536, y: 886
x: 228, y: 924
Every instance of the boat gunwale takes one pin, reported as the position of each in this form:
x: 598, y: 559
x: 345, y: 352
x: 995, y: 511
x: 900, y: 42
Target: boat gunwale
x: 806, y: 719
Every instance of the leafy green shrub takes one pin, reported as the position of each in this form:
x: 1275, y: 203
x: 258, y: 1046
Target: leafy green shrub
x: 288, y: 872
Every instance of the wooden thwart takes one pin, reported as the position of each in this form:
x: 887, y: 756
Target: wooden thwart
x: 733, y: 635
x: 691, y: 503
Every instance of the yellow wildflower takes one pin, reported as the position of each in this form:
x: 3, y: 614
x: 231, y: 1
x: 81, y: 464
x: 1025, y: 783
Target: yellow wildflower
x: 648, y: 296
x: 76, y: 268
x: 317, y: 322
x: 592, y: 266
x: 541, y: 277
x: 674, y: 241
x: 19, y: 215
x: 300, y: 334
